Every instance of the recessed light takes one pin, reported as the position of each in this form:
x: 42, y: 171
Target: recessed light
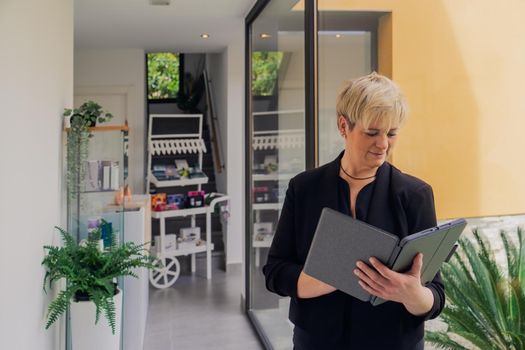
x: 265, y: 36
x: 338, y: 35
x: 205, y: 35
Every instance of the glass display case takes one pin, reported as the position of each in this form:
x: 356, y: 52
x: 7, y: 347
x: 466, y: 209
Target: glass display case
x: 100, y: 184
x: 96, y: 189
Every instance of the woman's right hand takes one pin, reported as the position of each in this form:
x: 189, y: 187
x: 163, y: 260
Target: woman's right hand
x: 309, y: 287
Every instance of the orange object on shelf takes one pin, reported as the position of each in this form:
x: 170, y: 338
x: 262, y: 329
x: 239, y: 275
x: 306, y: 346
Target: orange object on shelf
x: 119, y: 196
x: 157, y: 200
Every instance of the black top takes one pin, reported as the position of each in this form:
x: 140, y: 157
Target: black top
x: 362, y: 202
x: 395, y: 202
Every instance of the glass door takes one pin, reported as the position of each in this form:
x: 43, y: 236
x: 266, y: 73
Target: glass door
x: 296, y: 60
x: 276, y: 150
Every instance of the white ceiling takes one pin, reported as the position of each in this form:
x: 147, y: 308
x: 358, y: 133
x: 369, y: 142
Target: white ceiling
x: 177, y: 27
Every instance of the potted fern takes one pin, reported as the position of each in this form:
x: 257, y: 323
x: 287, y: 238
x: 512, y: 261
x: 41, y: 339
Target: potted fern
x: 486, y: 301
x: 91, y: 290
x: 80, y: 120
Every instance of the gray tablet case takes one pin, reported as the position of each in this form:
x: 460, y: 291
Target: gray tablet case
x: 340, y: 241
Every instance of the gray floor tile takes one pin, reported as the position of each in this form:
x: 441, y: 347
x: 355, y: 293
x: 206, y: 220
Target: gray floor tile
x: 199, y: 314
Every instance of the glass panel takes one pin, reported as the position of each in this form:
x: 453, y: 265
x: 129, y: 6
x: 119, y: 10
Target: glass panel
x: 100, y: 196
x: 278, y: 153
x: 344, y: 52
x: 104, y: 174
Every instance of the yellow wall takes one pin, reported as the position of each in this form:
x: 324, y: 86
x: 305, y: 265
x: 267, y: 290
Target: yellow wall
x: 461, y: 64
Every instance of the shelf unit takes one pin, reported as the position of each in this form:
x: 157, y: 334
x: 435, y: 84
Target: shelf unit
x: 103, y: 128
x: 266, y: 243
x: 272, y: 140
x: 181, y: 182
x: 167, y: 269
x: 174, y: 144
x: 160, y: 144
x: 105, y: 144
x: 267, y: 206
x: 272, y: 177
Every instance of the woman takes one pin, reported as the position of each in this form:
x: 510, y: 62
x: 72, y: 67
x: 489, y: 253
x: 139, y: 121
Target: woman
x: 360, y: 183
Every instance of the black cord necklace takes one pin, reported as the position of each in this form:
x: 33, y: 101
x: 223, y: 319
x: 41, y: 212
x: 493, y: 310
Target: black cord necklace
x: 356, y: 178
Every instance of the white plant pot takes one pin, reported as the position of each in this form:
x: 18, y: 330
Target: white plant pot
x: 85, y: 335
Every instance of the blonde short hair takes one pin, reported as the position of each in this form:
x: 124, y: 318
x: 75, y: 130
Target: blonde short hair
x: 372, y: 98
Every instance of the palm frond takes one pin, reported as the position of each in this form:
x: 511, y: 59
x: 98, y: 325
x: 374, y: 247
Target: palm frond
x: 486, y: 304
x: 477, y: 303
x: 442, y: 340
x: 520, y: 259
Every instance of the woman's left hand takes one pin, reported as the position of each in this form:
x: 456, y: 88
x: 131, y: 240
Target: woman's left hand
x: 403, y: 288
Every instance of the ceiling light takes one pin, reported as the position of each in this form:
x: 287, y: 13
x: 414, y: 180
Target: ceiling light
x: 205, y: 35
x: 160, y: 2
x: 338, y: 35
x: 265, y: 36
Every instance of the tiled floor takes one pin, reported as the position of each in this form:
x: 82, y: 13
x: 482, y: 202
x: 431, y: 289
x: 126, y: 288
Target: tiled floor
x: 196, y: 313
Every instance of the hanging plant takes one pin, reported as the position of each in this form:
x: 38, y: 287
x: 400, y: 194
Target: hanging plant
x: 81, y: 119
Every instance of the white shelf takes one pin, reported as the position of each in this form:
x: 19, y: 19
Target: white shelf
x: 272, y: 177
x: 267, y: 206
x: 262, y: 244
x: 187, y: 251
x: 175, y: 144
x: 191, y: 250
x: 257, y: 245
x: 180, y: 182
x: 178, y: 212
x: 278, y: 139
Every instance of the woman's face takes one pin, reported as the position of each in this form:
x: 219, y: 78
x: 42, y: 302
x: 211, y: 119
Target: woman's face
x: 369, y: 147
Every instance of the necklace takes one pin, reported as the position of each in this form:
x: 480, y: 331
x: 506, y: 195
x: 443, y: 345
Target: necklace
x: 356, y: 178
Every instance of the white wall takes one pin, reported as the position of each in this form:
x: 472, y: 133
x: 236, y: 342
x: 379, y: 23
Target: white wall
x: 217, y: 66
x: 226, y: 70
x: 227, y: 73
x: 340, y: 59
x: 119, y: 68
x: 218, y: 74
x: 36, y: 69
x: 235, y: 145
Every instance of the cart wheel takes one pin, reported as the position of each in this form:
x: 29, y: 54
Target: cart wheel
x: 165, y: 272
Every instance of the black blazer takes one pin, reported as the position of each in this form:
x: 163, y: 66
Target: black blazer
x: 400, y: 204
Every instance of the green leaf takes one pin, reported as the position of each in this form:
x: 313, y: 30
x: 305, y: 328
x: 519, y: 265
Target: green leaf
x: 163, y: 75
x: 486, y: 304
x: 90, y: 271
x: 443, y: 341
x: 265, y: 71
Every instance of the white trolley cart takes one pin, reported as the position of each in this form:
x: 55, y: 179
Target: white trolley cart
x: 167, y: 267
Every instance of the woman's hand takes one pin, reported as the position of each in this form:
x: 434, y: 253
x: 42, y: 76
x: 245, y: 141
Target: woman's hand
x: 309, y: 287
x: 403, y: 288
